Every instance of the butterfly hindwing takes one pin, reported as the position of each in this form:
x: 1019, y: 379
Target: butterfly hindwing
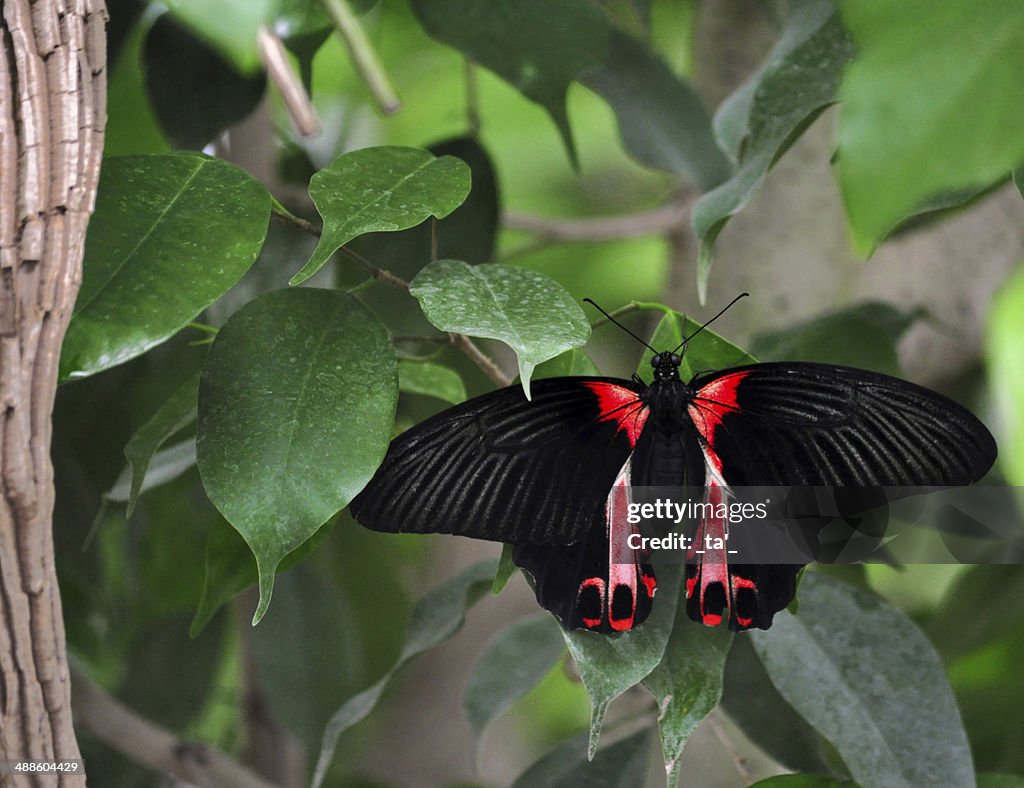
x: 782, y: 424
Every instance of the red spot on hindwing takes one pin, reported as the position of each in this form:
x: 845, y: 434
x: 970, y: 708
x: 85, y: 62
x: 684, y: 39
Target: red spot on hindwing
x: 621, y: 405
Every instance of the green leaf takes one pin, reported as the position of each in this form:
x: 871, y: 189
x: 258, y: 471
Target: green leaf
x: 1005, y: 360
x: 706, y: 351
x: 171, y: 234
x: 228, y: 25
x: 864, y: 676
x: 803, y: 781
x: 431, y: 380
x: 752, y: 702
x: 686, y: 684
x: 862, y: 336
x: 621, y: 765
x: 230, y: 568
x: 932, y: 102
x: 176, y: 413
x: 1018, y: 180
x: 761, y: 120
x: 1000, y: 781
x: 505, y: 570
x: 610, y: 665
x: 381, y: 189
x: 528, y: 311
x: 537, y: 46
x: 296, y: 404
x: 162, y: 467
x: 307, y: 653
x: 662, y: 121
x: 570, y: 363
x: 194, y: 92
x: 511, y: 665
x: 985, y: 601
x: 436, y: 618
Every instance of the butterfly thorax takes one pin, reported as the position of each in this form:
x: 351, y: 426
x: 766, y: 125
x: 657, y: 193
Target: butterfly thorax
x: 667, y: 397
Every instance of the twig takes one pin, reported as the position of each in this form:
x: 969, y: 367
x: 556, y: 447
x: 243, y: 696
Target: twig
x: 144, y: 742
x: 278, y: 67
x: 738, y: 760
x: 461, y: 341
x: 363, y: 55
x: 482, y: 360
x: 603, y: 228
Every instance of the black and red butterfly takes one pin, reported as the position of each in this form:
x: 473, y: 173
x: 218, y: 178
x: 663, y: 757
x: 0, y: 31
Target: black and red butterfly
x: 549, y: 474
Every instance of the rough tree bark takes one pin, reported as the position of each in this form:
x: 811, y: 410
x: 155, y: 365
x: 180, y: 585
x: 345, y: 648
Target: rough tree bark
x: 52, y: 115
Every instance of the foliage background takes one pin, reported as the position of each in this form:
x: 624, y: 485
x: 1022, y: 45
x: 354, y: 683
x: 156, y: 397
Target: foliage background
x: 933, y: 302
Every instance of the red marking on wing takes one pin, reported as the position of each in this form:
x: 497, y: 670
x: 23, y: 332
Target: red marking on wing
x: 622, y: 405
x: 736, y: 584
x: 710, y: 405
x: 598, y: 584
x: 650, y: 584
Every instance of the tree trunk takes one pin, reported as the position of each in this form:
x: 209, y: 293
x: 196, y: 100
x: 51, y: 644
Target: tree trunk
x: 52, y: 115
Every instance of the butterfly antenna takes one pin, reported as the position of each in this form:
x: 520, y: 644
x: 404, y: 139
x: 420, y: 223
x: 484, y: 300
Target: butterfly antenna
x: 616, y: 322
x: 709, y: 322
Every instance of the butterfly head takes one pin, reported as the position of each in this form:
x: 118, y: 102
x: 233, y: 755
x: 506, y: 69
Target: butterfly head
x: 666, y: 365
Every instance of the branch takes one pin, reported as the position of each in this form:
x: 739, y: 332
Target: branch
x: 663, y: 219
x: 279, y: 69
x: 460, y: 341
x: 363, y: 55
x: 145, y: 742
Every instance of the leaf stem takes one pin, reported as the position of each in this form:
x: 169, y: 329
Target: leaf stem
x: 460, y: 341
x: 364, y: 56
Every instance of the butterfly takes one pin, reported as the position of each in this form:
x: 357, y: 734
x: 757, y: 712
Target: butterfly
x: 551, y: 475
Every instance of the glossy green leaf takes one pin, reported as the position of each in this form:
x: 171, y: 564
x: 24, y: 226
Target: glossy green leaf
x: 686, y: 684
x: 866, y: 678
x: 512, y: 664
x: 296, y: 404
x: 1004, y: 353
x: 176, y: 413
x: 662, y: 121
x: 229, y: 568
x: 228, y: 25
x: 572, y: 362
x: 171, y: 234
x: 381, y: 189
x: 610, y: 665
x: 528, y: 311
x: 431, y: 380
x: 194, y: 92
x: 931, y: 103
x: 705, y: 352
x: 539, y: 47
x: 862, y: 336
x: 761, y: 120
x: 436, y: 618
x: 620, y: 765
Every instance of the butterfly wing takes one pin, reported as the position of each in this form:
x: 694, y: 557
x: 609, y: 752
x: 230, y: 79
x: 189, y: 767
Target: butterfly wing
x: 782, y: 424
x: 550, y: 475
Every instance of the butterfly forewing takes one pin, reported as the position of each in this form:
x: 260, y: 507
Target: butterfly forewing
x: 785, y: 424
x: 505, y: 468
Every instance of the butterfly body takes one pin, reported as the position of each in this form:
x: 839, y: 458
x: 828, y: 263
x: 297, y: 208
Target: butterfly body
x: 554, y: 475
